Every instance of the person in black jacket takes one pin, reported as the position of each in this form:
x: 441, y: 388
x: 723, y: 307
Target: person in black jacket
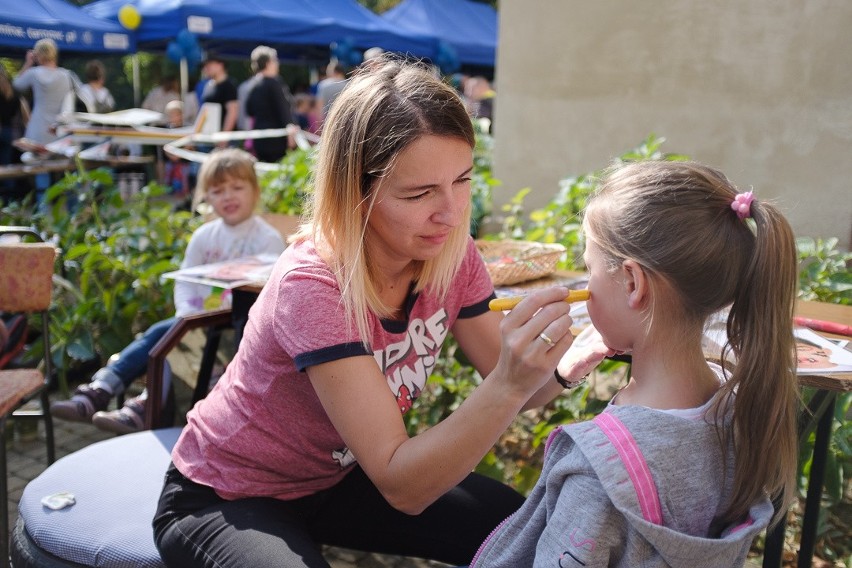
x: 269, y: 104
x: 10, y: 110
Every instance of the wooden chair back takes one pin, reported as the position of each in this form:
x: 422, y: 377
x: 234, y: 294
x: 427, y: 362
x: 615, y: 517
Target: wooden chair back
x: 285, y: 224
x: 26, y: 274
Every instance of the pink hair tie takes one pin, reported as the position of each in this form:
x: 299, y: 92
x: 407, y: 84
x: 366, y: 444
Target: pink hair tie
x: 742, y: 204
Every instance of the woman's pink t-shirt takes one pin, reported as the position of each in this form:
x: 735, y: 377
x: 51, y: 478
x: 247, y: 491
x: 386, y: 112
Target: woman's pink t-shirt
x: 262, y: 430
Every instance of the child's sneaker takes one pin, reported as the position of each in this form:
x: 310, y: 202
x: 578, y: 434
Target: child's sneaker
x: 127, y: 419
x: 82, y: 405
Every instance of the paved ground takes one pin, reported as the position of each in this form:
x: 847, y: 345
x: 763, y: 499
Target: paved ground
x: 27, y: 458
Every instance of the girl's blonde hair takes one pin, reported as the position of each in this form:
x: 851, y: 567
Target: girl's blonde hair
x: 382, y: 109
x: 221, y: 165
x: 46, y: 50
x: 675, y: 219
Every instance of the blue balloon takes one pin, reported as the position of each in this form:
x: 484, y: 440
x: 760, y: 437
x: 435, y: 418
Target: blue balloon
x: 195, y: 53
x: 186, y: 39
x: 174, y: 51
x: 342, y: 50
x: 446, y: 58
x: 193, y: 56
x: 354, y: 59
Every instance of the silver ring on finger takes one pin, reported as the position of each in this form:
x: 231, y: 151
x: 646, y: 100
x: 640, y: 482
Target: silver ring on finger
x: 546, y: 339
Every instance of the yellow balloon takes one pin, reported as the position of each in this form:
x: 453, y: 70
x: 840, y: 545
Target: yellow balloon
x: 129, y: 17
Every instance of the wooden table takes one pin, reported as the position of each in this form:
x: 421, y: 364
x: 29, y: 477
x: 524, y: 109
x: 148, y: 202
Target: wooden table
x: 25, y: 170
x: 63, y: 165
x: 819, y: 415
x: 840, y: 382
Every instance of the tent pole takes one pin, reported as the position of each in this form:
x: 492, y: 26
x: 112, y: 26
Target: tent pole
x: 137, y: 96
x: 184, y: 79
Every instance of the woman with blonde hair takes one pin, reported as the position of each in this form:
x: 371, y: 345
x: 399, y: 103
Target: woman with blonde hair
x: 302, y: 441
x: 51, y: 86
x: 53, y: 92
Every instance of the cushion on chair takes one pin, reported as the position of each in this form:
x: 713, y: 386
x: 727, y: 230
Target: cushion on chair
x: 116, y: 484
x: 25, y: 281
x: 17, y: 384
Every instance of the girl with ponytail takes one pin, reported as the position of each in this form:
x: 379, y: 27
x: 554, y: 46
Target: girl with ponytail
x: 681, y: 467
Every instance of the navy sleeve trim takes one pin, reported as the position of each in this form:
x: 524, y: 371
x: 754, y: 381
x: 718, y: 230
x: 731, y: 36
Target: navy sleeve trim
x: 326, y: 354
x: 476, y: 309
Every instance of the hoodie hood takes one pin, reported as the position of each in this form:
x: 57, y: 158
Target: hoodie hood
x: 633, y: 487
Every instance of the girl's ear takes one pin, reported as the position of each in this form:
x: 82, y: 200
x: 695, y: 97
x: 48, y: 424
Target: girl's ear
x: 636, y: 285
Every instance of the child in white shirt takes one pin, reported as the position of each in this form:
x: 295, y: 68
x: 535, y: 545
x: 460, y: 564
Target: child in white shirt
x: 228, y: 183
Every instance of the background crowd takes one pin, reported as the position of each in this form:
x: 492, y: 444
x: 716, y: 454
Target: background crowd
x: 34, y: 97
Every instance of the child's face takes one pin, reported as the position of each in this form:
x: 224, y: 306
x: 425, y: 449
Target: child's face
x: 607, y: 305
x: 233, y: 199
x: 175, y: 116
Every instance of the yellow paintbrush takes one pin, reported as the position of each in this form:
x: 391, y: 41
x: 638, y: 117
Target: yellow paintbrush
x: 501, y: 304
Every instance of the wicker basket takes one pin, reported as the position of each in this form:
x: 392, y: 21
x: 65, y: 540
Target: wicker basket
x: 510, y: 262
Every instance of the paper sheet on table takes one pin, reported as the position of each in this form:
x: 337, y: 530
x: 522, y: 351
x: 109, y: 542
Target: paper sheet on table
x: 228, y: 273
x: 816, y: 355
x: 126, y: 117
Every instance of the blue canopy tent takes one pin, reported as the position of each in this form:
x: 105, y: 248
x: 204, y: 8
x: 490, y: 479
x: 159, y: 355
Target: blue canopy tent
x: 22, y: 23
x: 291, y: 26
x: 332, y: 20
x: 470, y: 28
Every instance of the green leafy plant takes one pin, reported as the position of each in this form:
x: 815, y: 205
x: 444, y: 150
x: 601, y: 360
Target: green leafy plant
x: 482, y: 180
x: 559, y: 220
x: 824, y: 273
x: 112, y: 253
x: 285, y: 188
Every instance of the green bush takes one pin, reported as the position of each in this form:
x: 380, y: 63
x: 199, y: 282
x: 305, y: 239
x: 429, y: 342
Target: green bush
x: 482, y: 180
x: 284, y: 189
x: 112, y: 253
x: 559, y: 220
x: 824, y: 274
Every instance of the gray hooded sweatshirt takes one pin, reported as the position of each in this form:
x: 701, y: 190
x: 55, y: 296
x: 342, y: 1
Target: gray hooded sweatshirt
x: 54, y: 90
x: 634, y: 487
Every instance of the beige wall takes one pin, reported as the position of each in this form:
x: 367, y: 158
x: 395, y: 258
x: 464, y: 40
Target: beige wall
x: 761, y: 89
